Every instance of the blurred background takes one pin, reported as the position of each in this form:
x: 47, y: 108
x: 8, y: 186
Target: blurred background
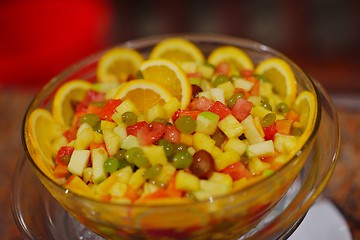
x: 40, y: 38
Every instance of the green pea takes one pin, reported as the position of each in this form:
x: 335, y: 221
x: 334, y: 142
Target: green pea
x: 129, y: 118
x: 267, y: 105
x: 182, y: 159
x: 268, y: 119
x: 111, y: 164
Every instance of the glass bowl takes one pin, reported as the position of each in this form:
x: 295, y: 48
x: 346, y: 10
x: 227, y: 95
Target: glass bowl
x: 243, y: 214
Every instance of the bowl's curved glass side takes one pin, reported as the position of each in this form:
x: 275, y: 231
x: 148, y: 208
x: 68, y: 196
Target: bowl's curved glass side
x: 314, y: 176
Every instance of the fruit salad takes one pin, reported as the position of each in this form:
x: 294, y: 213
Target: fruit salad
x: 174, y: 126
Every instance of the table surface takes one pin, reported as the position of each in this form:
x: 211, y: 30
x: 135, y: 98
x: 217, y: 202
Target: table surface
x: 345, y: 177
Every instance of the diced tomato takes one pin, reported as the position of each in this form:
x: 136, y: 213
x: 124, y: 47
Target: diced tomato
x: 247, y: 73
x: 151, y: 132
x: 293, y: 116
x: 237, y: 171
x: 241, y: 109
x: 256, y: 88
x: 172, y: 134
x: 94, y: 109
x: 109, y: 109
x: 97, y: 145
x: 134, y: 129
x: 270, y: 131
x: 283, y: 126
x: 194, y: 75
x: 180, y: 113
x: 63, y: 155
x: 91, y: 96
x: 202, y: 104
x: 223, y: 68
x: 60, y: 171
x: 70, y: 134
x: 220, y: 109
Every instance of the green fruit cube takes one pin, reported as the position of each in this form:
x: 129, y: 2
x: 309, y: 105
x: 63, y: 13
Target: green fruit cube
x: 231, y: 127
x: 225, y: 159
x: 129, y: 142
x: 228, y: 89
x: 214, y: 188
x: 206, y: 122
x: 112, y: 141
x: 236, y: 145
x: 78, y: 161
x: 222, y: 178
x: 256, y: 166
x: 217, y: 94
x: 186, y: 181
x: 98, y: 157
x: 156, y: 111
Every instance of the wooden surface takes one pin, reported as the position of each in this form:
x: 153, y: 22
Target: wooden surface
x: 343, y: 189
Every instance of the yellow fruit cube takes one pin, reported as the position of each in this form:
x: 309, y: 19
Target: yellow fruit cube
x: 236, y: 145
x: 187, y: 181
x: 225, y: 159
x: 231, y: 127
x: 155, y: 154
x: 202, y: 141
x: 137, y: 179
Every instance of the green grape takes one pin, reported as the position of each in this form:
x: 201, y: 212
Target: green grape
x: 111, y: 164
x: 129, y: 118
x: 120, y: 155
x: 152, y: 172
x: 219, y: 79
x: 268, y: 119
x: 185, y: 124
x: 233, y: 99
x: 282, y: 108
x: 136, y: 156
x: 90, y: 118
x: 182, y: 159
x: 167, y: 146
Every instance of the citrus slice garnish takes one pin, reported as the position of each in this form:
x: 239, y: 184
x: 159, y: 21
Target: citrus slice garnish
x: 305, y: 105
x: 177, y: 50
x: 118, y: 64
x: 236, y: 57
x: 169, y: 75
x: 65, y: 97
x: 281, y: 76
x: 43, y: 130
x: 143, y: 94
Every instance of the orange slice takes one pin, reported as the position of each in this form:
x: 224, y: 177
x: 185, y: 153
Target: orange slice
x: 118, y: 64
x: 169, y: 75
x: 177, y: 50
x: 281, y: 76
x: 143, y: 94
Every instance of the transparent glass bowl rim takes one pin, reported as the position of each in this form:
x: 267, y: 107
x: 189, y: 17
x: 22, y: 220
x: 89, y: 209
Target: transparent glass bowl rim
x: 151, y: 41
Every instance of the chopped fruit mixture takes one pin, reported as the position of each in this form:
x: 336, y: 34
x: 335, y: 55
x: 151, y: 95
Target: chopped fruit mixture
x: 174, y: 126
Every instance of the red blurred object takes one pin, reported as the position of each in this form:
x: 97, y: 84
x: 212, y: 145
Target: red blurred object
x: 38, y: 39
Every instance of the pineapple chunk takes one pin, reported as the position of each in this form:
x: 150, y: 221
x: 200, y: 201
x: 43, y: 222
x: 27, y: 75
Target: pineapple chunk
x: 98, y: 157
x: 214, y: 188
x: 187, y: 181
x: 166, y: 174
x: 202, y: 195
x: 186, y: 139
x: 250, y: 131
x: 228, y: 89
x: 259, y: 111
x: 206, y: 70
x: 155, y: 154
x: 112, y: 141
x: 206, y: 122
x: 236, y: 145
x: 171, y: 106
x: 222, y: 178
x: 129, y: 142
x: 77, y: 185
x: 284, y: 143
x: 103, y: 187
x: 217, y: 94
x: 244, y: 84
x: 206, y: 94
x: 225, y: 159
x: 84, y: 138
x: 256, y: 166
x: 263, y: 149
x: 127, y: 106
x: 122, y: 175
x: 231, y: 127
x: 137, y: 179
x: 104, y: 124
x: 120, y: 130
x: 202, y: 141
x: 149, y: 188
x: 118, y: 189
x: 155, y: 112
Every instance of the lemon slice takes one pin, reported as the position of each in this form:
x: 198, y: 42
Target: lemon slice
x: 117, y: 64
x: 169, y: 75
x: 236, y: 57
x: 43, y: 130
x: 281, y: 76
x: 69, y: 93
x: 177, y: 50
x: 305, y: 105
x: 144, y: 94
